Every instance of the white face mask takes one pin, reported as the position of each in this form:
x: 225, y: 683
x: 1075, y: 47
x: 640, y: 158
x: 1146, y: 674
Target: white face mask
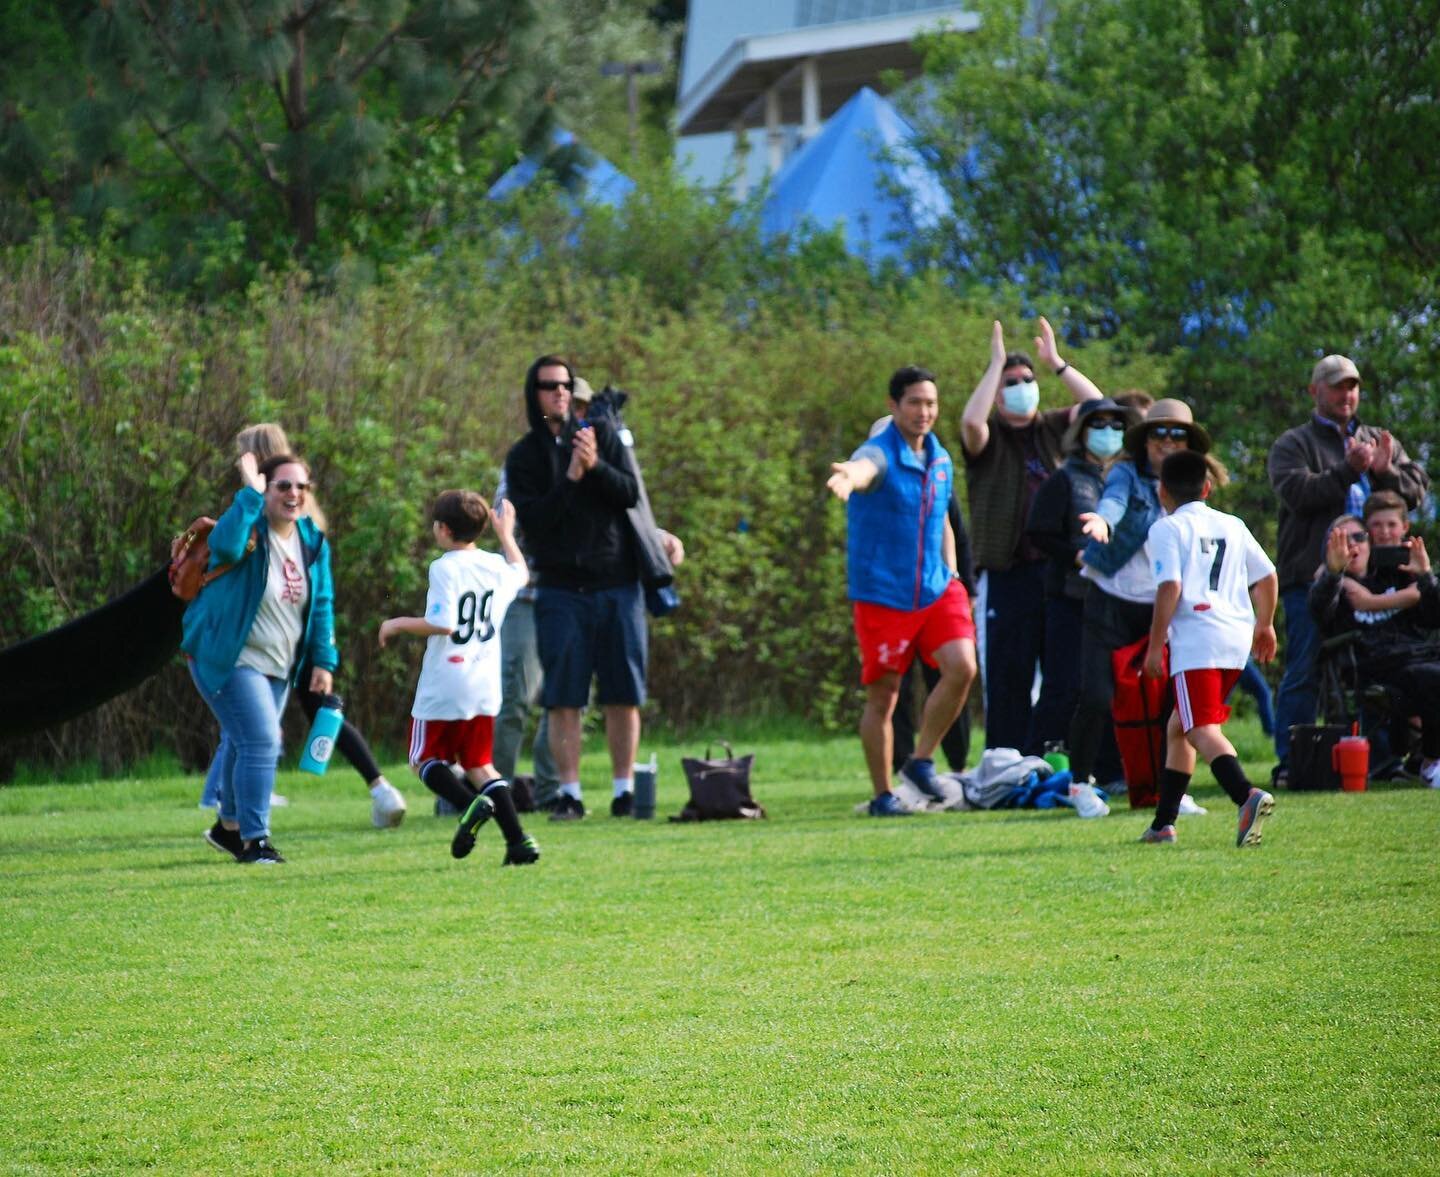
x: 1104, y: 443
x: 1021, y: 399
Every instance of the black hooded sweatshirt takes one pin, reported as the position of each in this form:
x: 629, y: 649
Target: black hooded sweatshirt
x: 577, y: 535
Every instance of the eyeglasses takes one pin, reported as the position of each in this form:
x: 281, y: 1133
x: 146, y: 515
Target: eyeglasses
x: 554, y: 385
x: 1168, y: 433
x: 1358, y: 537
x: 1012, y: 381
x: 285, y: 486
x: 1119, y: 426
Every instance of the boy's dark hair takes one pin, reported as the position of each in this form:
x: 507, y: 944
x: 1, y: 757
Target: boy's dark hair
x: 1384, y: 500
x: 905, y: 377
x: 1183, y: 476
x: 464, y: 512
x: 275, y: 461
x: 1018, y: 359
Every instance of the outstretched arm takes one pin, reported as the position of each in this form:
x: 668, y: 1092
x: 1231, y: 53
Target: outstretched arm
x: 975, y: 420
x: 848, y: 477
x: 392, y: 626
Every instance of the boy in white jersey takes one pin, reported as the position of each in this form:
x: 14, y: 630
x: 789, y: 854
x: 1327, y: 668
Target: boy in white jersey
x: 1215, y: 593
x: 452, y: 723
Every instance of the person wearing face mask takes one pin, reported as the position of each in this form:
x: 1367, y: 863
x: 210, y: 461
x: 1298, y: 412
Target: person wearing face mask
x: 1010, y: 447
x: 1092, y: 444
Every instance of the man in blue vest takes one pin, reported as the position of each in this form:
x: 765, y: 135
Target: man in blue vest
x: 902, y: 581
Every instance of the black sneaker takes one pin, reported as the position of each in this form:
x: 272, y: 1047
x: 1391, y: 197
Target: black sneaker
x: 259, y: 853
x: 522, y: 853
x: 476, y: 815
x: 568, y: 808
x: 623, y: 805
x: 226, y: 841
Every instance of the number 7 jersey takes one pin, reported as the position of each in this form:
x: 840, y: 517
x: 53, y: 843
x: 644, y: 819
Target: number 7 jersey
x: 470, y: 592
x: 1216, y: 560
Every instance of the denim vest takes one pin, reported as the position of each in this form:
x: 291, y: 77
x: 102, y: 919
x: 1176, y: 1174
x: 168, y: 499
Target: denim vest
x: 897, y: 530
x: 1130, y: 503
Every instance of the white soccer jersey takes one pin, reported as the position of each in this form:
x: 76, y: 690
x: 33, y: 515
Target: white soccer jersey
x: 1216, y: 560
x: 470, y: 591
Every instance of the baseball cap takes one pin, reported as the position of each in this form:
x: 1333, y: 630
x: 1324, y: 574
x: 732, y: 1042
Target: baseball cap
x: 1333, y: 370
x: 582, y: 391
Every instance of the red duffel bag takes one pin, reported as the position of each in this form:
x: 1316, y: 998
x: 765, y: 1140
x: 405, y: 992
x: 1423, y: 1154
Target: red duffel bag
x: 1138, y: 710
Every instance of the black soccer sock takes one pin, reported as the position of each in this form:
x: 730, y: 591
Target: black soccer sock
x: 1232, y: 779
x: 1172, y: 787
x: 505, y: 816
x: 442, y: 779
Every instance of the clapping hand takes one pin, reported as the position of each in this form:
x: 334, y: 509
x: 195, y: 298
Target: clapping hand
x: 583, y: 454
x: 1045, y: 346
x: 997, y: 346
x: 1360, y: 455
x: 1383, y: 449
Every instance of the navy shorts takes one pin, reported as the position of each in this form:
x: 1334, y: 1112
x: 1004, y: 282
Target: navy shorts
x: 598, y: 633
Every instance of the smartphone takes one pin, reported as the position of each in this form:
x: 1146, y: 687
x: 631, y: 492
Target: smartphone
x: 1389, y: 559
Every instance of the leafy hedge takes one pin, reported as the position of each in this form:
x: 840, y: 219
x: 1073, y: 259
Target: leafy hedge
x: 118, y: 402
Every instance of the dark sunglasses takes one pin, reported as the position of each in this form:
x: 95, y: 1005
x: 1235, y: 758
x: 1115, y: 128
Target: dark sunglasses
x: 285, y: 486
x: 553, y: 385
x: 1012, y: 381
x: 1118, y: 425
x: 1358, y: 537
x: 1170, y: 432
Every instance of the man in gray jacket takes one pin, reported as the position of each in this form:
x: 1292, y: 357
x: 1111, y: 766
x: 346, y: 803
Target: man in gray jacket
x: 1319, y: 470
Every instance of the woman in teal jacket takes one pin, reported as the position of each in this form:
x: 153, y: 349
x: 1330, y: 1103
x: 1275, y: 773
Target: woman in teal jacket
x: 249, y: 632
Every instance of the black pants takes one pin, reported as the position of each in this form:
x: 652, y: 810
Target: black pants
x: 955, y: 742
x: 351, y: 743
x: 1014, y: 646
x: 1110, y: 624
x: 1060, y: 690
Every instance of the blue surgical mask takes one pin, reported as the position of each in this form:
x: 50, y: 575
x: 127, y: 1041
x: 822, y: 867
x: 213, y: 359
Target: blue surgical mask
x: 1104, y: 443
x: 1021, y: 399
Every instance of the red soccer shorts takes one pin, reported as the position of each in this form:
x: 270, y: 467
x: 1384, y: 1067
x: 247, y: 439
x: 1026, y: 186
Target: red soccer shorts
x: 889, y: 638
x: 467, y: 742
x: 1200, y: 696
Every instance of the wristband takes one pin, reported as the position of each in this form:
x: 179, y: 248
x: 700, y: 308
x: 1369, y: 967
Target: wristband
x: 1062, y: 369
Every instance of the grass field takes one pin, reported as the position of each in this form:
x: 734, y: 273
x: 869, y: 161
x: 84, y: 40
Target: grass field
x: 1012, y: 992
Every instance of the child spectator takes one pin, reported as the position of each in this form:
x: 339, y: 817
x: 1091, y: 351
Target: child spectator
x: 452, y: 725
x: 1208, y: 571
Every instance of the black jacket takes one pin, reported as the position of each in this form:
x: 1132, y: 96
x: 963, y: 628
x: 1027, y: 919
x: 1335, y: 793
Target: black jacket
x: 1388, y: 639
x: 1053, y: 524
x: 577, y: 535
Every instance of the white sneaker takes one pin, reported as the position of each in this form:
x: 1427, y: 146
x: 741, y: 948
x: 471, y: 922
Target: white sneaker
x: 278, y: 802
x: 1087, y: 801
x: 1430, y: 774
x: 1190, y: 808
x: 387, y: 806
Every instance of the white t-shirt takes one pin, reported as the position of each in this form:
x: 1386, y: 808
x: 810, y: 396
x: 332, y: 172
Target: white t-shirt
x: 1216, y: 560
x: 470, y: 591
x: 280, y: 621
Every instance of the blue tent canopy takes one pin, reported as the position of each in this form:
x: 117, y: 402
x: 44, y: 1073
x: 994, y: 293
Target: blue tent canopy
x: 862, y: 174
x: 592, y: 180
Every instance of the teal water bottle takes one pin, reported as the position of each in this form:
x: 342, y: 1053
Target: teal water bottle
x: 320, y: 743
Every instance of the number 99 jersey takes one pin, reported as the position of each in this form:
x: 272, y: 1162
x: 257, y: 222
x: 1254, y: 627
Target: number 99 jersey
x: 470, y: 592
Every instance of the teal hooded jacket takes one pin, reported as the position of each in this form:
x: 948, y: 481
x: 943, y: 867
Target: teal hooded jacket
x: 218, y: 621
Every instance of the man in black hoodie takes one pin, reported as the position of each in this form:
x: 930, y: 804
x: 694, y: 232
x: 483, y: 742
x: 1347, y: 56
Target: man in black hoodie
x: 571, y: 488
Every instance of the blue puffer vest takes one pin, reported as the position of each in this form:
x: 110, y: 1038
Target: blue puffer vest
x: 897, y: 531
x: 1130, y: 503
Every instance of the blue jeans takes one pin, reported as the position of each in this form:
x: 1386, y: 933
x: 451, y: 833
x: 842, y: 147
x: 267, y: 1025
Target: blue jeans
x: 248, y: 708
x: 1298, y: 696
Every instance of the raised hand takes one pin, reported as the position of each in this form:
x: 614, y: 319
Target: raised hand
x: 1359, y: 454
x: 1383, y: 451
x: 1419, y: 562
x: 1337, y: 548
x: 997, y: 345
x: 249, y: 467
x: 502, y: 518
x: 1045, y: 346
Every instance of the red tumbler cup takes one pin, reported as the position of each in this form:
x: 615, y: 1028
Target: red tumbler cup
x: 1350, y: 757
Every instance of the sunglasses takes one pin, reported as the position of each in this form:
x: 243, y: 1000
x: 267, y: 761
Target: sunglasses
x: 1358, y: 537
x: 1118, y: 426
x: 285, y: 486
x: 1012, y: 381
x: 1168, y: 433
x: 554, y: 385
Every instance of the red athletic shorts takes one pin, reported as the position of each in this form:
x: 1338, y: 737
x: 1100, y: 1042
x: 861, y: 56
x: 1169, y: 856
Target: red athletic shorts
x: 1200, y: 696
x: 467, y: 742
x: 889, y: 638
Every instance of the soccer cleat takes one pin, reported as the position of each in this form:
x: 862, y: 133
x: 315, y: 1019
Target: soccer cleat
x: 887, y: 805
x: 259, y: 853
x: 921, y: 775
x: 568, y: 808
x: 225, y: 841
x: 1189, y: 807
x: 1164, y: 836
x: 387, y: 806
x: 1258, y: 806
x: 476, y: 815
x: 1087, y: 801
x: 623, y: 805
x: 522, y: 853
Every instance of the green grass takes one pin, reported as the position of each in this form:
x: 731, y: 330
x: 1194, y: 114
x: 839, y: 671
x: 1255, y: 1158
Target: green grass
x: 1012, y: 992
